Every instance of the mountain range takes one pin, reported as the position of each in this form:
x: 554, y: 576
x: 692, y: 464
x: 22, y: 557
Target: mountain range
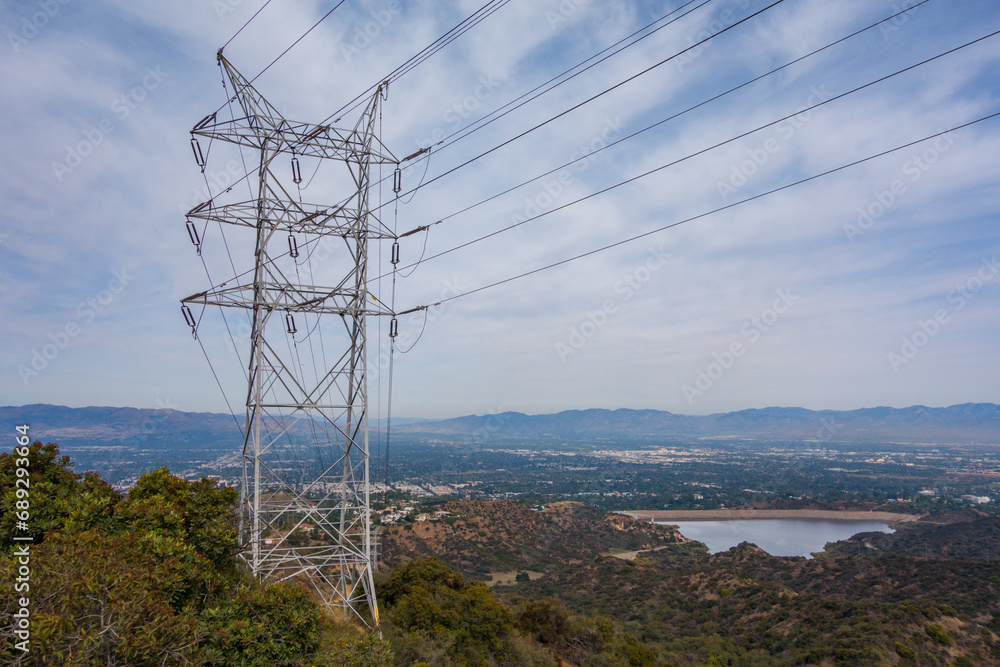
x: 977, y: 422
x: 968, y: 422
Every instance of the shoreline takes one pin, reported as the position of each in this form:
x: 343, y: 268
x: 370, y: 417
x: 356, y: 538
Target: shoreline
x: 648, y: 516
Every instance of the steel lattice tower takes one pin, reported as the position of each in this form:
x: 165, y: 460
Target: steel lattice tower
x: 305, y: 486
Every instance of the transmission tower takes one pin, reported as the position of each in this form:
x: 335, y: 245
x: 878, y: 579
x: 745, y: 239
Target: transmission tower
x: 305, y: 492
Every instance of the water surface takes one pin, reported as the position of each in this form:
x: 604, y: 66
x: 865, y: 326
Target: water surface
x: 778, y: 537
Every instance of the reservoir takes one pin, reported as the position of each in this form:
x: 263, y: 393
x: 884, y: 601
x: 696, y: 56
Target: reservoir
x: 778, y: 537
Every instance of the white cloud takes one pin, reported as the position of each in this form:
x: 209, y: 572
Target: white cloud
x: 497, y: 349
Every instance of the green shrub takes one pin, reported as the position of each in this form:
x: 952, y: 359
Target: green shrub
x: 937, y: 633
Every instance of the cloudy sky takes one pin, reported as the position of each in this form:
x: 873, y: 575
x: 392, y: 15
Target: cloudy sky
x: 872, y: 285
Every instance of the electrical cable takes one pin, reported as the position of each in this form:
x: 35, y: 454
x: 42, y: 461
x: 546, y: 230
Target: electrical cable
x: 427, y: 164
x: 423, y: 54
x: 405, y: 68
x: 720, y: 209
x: 471, y: 126
x: 427, y: 234
x: 281, y: 55
x: 716, y: 97
x: 303, y: 36
x: 704, y: 150
x: 594, y: 97
x: 676, y: 115
x: 423, y: 328
x: 224, y: 397
x: 426, y: 152
x: 246, y: 24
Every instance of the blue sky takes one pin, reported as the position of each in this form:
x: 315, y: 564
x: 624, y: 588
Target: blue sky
x: 874, y: 285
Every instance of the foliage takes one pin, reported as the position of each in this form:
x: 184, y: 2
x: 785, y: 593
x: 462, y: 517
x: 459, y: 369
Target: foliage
x: 582, y: 640
x: 353, y: 649
x: 504, y: 535
x: 272, y: 625
x: 59, y: 499
x: 436, y: 606
x: 937, y: 633
x: 104, y: 601
x: 200, y: 513
x: 152, y: 578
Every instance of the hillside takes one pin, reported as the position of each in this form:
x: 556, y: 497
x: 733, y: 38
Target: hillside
x: 502, y: 535
x: 154, y: 575
x: 748, y: 608
x: 740, y: 607
x: 967, y: 537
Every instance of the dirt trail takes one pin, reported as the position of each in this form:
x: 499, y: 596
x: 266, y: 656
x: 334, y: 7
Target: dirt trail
x: 631, y: 555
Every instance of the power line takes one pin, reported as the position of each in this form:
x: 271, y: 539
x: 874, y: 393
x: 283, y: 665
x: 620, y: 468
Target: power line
x: 569, y: 78
x: 444, y: 40
x: 678, y: 114
x: 591, y: 99
x: 303, y: 36
x: 280, y: 55
x: 406, y: 67
x: 247, y: 23
x: 499, y: 113
x: 652, y: 126
x: 702, y: 151
x: 717, y: 210
x: 414, y: 264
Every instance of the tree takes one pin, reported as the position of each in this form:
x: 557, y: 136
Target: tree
x: 199, y: 513
x: 102, y: 601
x: 434, y: 613
x: 261, y: 626
x: 151, y: 578
x: 58, y: 499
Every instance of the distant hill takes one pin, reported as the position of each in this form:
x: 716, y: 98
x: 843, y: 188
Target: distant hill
x: 977, y: 422
x: 55, y: 422
x: 59, y: 423
x: 969, y: 422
